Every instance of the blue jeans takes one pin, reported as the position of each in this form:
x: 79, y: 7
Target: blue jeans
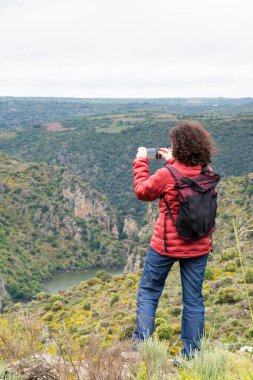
x: 152, y: 282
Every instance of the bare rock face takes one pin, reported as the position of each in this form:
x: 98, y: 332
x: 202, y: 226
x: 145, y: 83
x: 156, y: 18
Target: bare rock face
x: 138, y: 250
x: 130, y: 227
x: 3, y: 292
x: 88, y: 204
x: 133, y: 263
x: 250, y: 178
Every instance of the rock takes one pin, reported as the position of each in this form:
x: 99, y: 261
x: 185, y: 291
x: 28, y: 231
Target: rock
x: 3, y: 292
x: 245, y: 304
x: 36, y: 367
x: 246, y: 349
x: 134, y: 257
x: 87, y: 204
x: 78, y: 235
x: 250, y: 178
x: 130, y: 227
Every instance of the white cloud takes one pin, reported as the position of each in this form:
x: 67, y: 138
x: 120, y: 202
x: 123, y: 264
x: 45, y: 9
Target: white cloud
x: 126, y: 48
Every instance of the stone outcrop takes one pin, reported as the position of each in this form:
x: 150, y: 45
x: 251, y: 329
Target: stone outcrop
x: 250, y: 178
x: 88, y: 204
x: 141, y: 238
x: 134, y: 260
x: 3, y: 292
x: 130, y: 227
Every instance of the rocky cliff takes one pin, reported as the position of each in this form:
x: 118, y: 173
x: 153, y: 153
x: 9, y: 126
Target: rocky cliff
x: 3, y: 292
x: 139, y: 237
x: 88, y: 204
x: 51, y: 220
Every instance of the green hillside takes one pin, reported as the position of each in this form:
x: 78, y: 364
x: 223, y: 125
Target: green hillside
x: 100, y: 148
x: 106, y: 305
x: 50, y: 220
x: 89, y: 326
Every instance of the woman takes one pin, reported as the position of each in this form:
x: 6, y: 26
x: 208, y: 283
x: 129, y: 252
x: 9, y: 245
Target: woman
x: 191, y: 148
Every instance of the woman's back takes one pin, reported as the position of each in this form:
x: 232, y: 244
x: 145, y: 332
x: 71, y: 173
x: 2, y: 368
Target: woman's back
x: 165, y: 239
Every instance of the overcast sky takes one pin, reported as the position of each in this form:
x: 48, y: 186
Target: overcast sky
x: 126, y: 48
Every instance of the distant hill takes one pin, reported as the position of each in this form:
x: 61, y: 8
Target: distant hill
x: 22, y: 111
x: 101, y: 148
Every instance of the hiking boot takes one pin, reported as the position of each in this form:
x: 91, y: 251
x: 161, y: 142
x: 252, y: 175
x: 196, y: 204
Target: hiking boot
x: 136, y: 344
x: 177, y: 361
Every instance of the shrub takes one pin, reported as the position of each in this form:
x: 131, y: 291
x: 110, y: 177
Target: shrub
x: 228, y: 254
x: 94, y: 281
x: 155, y: 357
x: 47, y: 306
x: 230, y: 266
x: 176, y: 311
x: 132, y: 276
x: 127, y: 332
x: 55, y: 297
x: 142, y: 372
x: 210, y: 363
x: 129, y: 283
x: 176, y: 327
x: 87, y: 306
x: 42, y: 296
x: 160, y: 321
x: 206, y: 293
x: 249, y: 276
x: 48, y: 316
x: 227, y: 281
x: 164, y: 331
x: 250, y: 332
x: 115, y: 298
x: 228, y: 295
x: 209, y: 274
x: 57, y: 305
x: 104, y: 276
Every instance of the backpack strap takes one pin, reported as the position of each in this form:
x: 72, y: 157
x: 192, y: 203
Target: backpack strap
x: 177, y: 176
x: 168, y: 208
x: 196, y: 187
x: 175, y: 172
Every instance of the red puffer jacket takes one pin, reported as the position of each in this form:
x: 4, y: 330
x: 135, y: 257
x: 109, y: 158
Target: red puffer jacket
x: 149, y: 188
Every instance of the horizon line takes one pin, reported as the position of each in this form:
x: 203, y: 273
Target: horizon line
x: 115, y: 98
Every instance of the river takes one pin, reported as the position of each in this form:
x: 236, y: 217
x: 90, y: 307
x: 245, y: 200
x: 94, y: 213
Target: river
x: 64, y: 280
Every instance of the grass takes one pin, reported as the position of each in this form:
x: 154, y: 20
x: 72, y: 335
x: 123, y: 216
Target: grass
x: 213, y: 362
x: 154, y: 353
x: 245, y: 229
x: 3, y: 372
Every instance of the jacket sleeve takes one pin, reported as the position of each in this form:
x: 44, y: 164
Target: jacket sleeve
x: 146, y: 187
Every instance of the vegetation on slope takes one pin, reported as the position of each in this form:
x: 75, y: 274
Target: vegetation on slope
x: 39, y: 231
x: 82, y: 327
x: 101, y: 148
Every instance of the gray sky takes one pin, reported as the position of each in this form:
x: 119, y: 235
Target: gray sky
x: 126, y: 48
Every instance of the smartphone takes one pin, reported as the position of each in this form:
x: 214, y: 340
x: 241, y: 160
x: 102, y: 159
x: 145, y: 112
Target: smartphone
x: 153, y: 153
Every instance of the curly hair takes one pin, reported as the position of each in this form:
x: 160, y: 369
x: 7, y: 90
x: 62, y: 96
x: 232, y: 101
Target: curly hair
x: 191, y: 143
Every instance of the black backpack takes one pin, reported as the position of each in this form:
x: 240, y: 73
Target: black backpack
x: 197, y: 203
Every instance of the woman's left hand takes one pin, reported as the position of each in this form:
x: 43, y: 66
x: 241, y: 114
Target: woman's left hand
x: 166, y: 153
x: 142, y: 152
